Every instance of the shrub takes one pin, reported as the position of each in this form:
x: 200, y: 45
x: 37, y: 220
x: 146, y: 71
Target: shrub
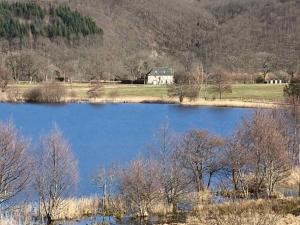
x: 4, y: 79
x: 33, y: 95
x: 259, y: 79
x: 96, y: 90
x: 192, y: 92
x: 48, y: 93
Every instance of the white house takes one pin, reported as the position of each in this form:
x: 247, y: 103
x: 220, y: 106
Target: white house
x: 161, y: 75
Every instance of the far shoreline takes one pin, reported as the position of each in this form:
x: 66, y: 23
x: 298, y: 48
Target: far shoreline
x: 154, y: 100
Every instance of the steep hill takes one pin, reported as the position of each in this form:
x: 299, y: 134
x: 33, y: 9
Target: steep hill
x: 244, y: 36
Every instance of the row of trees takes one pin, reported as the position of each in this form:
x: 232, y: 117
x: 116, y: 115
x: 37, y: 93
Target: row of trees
x: 234, y: 35
x: 28, y: 10
x: 26, y: 66
x: 261, y: 153
x: 51, y: 171
x: 196, y: 83
x: 179, y: 168
x: 70, y: 24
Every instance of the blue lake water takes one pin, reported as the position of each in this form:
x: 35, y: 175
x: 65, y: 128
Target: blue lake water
x: 101, y: 134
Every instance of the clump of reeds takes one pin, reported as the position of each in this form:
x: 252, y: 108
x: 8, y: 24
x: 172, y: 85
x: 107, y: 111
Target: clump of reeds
x: 244, y: 212
x: 74, y: 208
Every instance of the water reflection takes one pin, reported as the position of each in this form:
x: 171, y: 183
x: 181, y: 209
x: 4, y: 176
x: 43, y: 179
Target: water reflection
x: 100, y: 220
x: 126, y: 221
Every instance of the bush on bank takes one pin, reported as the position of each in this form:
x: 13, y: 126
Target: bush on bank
x: 46, y: 93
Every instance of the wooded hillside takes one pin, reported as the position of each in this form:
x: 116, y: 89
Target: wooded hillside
x: 242, y: 36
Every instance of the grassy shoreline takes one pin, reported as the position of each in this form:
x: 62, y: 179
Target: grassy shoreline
x: 243, y: 95
x: 148, y: 100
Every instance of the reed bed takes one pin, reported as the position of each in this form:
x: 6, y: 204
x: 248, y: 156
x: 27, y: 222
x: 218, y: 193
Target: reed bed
x: 248, y: 212
x: 75, y: 208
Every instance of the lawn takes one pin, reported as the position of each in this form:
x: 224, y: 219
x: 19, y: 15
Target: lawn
x: 239, y: 91
x: 256, y: 92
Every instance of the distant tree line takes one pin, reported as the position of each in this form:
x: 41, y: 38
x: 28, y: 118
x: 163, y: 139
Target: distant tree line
x: 251, y: 40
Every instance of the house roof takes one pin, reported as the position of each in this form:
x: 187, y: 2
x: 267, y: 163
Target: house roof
x: 161, y: 71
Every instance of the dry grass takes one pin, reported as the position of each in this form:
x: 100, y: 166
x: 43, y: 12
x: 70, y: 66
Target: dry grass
x: 236, y: 103
x: 161, y: 209
x: 246, y: 219
x: 75, y: 208
x: 250, y: 95
x: 10, y: 221
x: 71, y: 209
x: 259, y: 212
x: 17, y: 215
x: 250, y: 212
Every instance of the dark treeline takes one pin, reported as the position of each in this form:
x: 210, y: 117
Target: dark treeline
x: 19, y: 20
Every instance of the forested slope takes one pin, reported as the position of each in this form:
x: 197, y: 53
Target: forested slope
x: 243, y: 36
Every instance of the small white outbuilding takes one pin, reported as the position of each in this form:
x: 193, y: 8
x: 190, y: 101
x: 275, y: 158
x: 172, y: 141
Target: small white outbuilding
x: 160, y: 76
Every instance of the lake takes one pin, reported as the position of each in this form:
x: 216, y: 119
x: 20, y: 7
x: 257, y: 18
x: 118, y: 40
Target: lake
x: 104, y: 133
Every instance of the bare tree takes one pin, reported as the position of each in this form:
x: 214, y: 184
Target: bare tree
x: 198, y: 153
x: 22, y: 67
x: 184, y: 88
x: 219, y: 82
x: 4, y: 79
x: 105, y: 180
x: 56, y: 173
x: 15, y: 163
x: 292, y: 97
x: 140, y: 186
x: 12, y: 64
x: 172, y: 174
x: 198, y: 76
x: 264, y: 143
x: 178, y: 91
x: 133, y: 67
x: 235, y: 164
x: 96, y: 90
x: 271, y: 160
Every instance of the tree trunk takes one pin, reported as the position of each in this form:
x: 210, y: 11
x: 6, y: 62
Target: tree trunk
x: 180, y: 98
x: 174, y: 207
x: 49, y: 219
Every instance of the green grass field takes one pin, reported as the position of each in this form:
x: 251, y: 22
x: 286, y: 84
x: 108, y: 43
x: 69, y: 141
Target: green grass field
x: 239, y: 91
x: 256, y: 92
